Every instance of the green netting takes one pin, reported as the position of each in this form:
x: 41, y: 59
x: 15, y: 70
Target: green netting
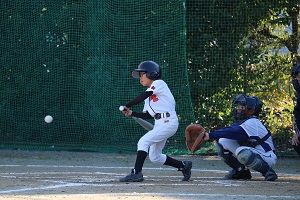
x: 73, y: 60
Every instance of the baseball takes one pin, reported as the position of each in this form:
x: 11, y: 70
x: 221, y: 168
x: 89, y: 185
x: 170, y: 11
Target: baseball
x: 48, y: 119
x: 121, y: 108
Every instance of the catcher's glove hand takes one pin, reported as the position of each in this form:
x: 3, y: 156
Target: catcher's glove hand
x: 194, y: 135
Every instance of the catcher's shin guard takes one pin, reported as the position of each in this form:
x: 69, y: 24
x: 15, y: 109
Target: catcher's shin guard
x: 254, y: 161
x: 228, y: 157
x: 238, y: 169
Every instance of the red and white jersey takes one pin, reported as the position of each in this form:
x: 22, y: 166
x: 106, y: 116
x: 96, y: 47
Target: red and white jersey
x: 161, y: 101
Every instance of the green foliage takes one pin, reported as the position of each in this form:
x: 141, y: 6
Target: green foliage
x: 216, y: 57
x: 242, y: 47
x: 275, y: 89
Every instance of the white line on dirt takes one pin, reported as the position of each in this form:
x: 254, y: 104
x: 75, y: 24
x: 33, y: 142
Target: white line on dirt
x: 145, y: 168
x: 151, y: 194
x: 63, y: 184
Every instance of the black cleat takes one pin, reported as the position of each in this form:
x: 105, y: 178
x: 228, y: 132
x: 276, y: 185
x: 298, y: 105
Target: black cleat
x: 235, y: 174
x: 270, y: 175
x: 132, y: 177
x: 186, y: 171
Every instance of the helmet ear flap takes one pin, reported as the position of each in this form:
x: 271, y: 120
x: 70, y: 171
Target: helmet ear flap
x: 155, y: 74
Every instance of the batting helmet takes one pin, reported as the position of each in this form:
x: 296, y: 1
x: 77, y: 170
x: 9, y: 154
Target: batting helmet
x: 152, y: 70
x: 295, y: 71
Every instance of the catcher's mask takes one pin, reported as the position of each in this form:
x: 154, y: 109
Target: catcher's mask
x: 239, y: 105
x: 152, y: 70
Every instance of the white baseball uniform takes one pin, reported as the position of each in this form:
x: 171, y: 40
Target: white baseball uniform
x: 254, y: 129
x: 161, y: 101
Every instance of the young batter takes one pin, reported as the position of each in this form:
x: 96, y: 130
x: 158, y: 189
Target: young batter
x: 159, y: 104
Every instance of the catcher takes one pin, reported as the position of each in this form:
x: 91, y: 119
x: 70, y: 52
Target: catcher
x: 246, y: 144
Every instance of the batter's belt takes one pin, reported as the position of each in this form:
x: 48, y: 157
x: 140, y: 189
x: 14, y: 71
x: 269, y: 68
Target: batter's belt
x: 162, y: 115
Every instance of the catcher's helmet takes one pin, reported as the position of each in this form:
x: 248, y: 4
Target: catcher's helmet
x: 295, y: 71
x: 258, y: 106
x: 242, y: 100
x: 152, y: 69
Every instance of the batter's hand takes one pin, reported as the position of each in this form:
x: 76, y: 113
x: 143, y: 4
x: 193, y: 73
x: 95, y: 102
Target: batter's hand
x: 295, y: 140
x: 127, y: 112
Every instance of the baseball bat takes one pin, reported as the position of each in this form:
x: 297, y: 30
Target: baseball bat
x: 146, y: 125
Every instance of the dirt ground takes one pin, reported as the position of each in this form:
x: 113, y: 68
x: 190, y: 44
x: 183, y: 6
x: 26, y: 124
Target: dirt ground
x: 41, y: 175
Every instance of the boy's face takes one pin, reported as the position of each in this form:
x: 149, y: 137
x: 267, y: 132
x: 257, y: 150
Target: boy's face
x: 247, y: 112
x: 240, y: 108
x: 144, y: 80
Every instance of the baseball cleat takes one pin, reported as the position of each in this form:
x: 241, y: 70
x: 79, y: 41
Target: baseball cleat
x: 270, y: 175
x: 186, y: 171
x: 235, y: 174
x: 132, y: 177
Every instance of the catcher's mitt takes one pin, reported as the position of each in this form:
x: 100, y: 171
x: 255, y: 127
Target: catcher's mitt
x: 194, y: 135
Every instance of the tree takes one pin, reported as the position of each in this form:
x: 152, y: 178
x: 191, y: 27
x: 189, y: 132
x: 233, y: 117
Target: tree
x: 235, y: 47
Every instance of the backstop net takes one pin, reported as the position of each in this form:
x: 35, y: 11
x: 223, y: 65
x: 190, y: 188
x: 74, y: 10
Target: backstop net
x: 73, y: 60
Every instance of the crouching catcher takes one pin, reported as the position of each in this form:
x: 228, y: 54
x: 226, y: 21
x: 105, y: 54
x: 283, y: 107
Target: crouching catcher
x: 247, y: 143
